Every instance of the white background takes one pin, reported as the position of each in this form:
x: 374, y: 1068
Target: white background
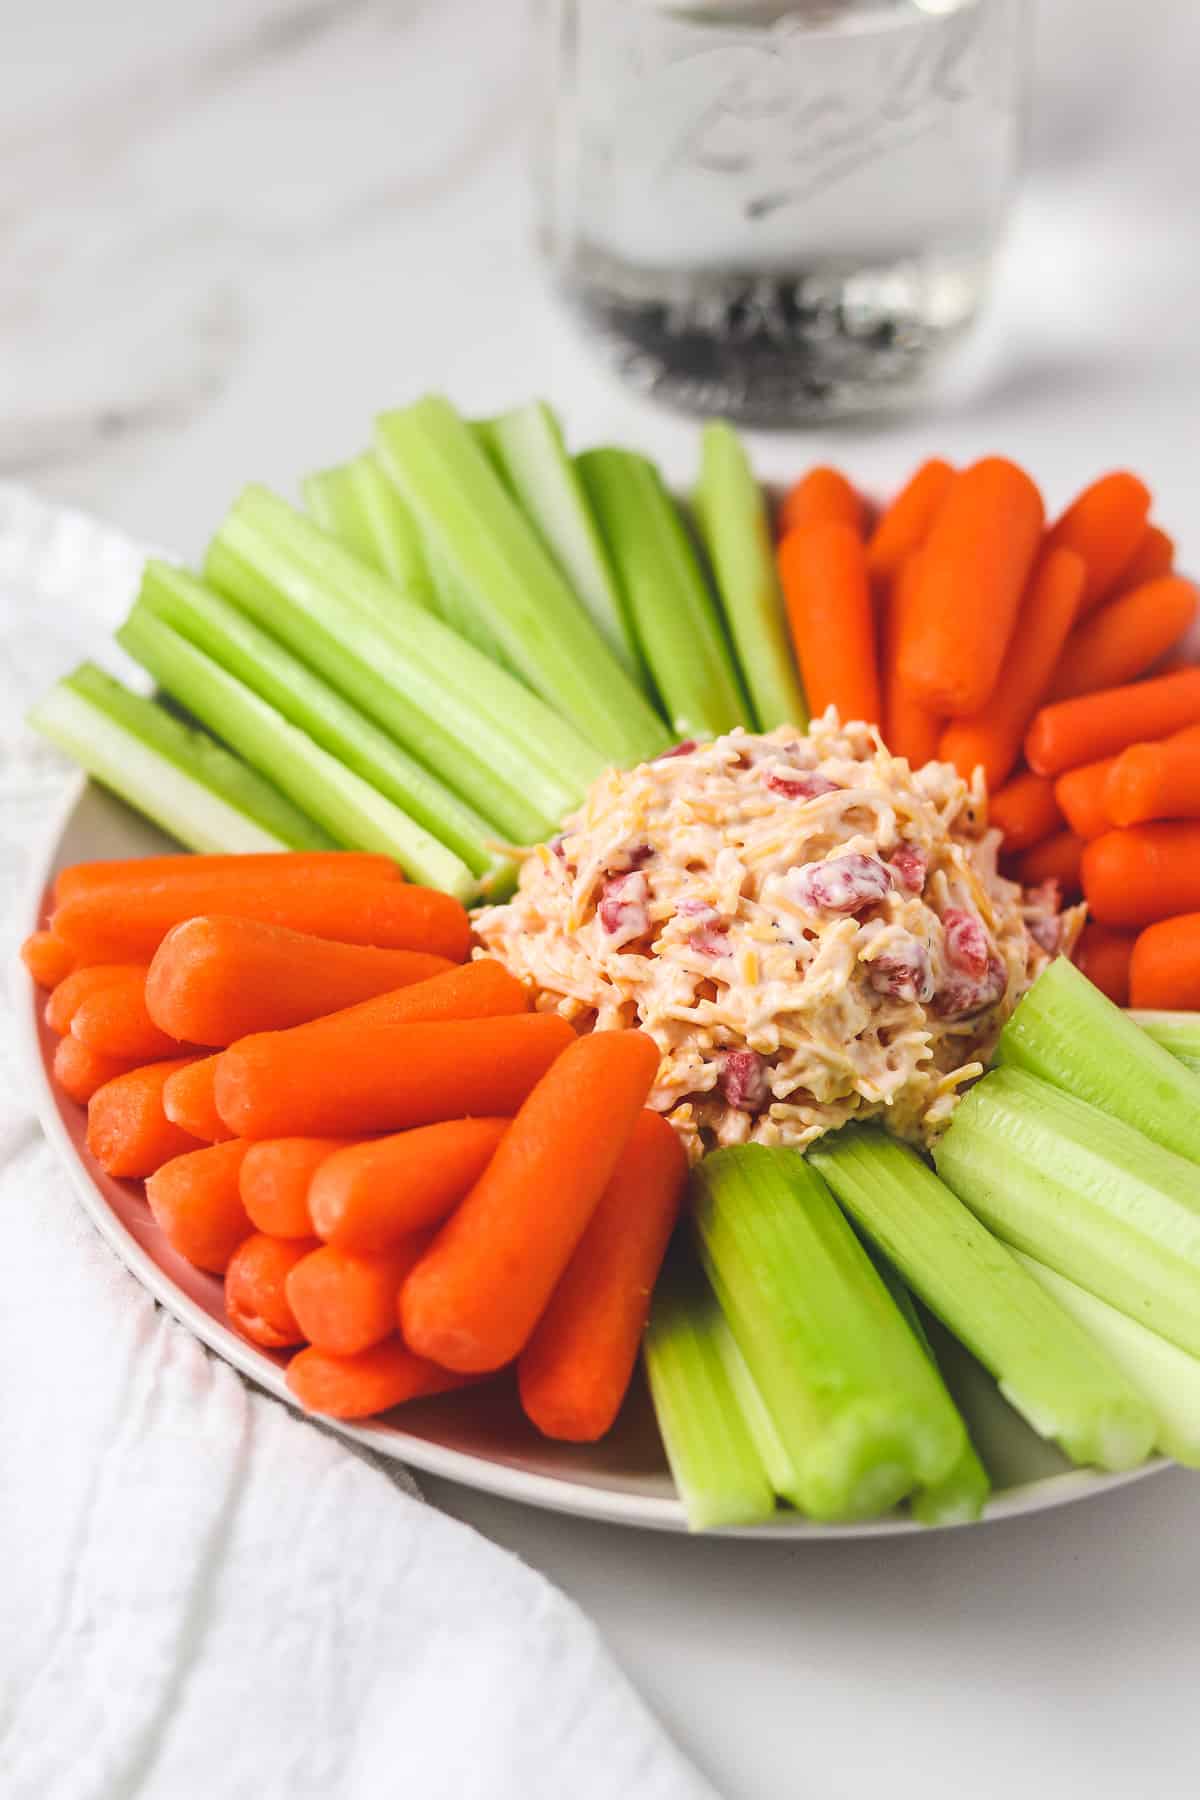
x: 229, y: 233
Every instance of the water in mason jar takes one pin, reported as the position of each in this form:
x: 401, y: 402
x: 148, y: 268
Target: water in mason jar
x: 778, y: 212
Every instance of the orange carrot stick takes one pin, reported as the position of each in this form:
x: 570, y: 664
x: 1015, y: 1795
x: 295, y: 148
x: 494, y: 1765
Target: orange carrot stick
x: 195, y: 1202
x: 48, y: 960
x: 821, y: 495
x: 126, y: 923
x: 1072, y: 732
x: 79, y: 1072
x: 1122, y: 639
x: 1155, y: 781
x: 1104, y: 956
x: 128, y: 1132
x: 70, y: 993
x: 483, y: 989
x: 823, y: 569
x: 255, y: 1289
x: 189, y: 1101
x: 1154, y: 556
x: 1056, y: 858
x: 115, y: 1022
x: 354, y: 1387
x: 1165, y: 970
x: 993, y: 736
x: 1080, y: 794
x: 215, y: 979
x: 575, y: 1369
x: 1025, y: 810
x: 1144, y: 873
x: 345, y: 1301
x: 904, y: 525
x: 975, y: 566
x: 909, y: 729
x: 276, y: 1176
x: 369, y: 1196
x: 231, y: 872
x: 472, y: 1302
x: 1105, y: 524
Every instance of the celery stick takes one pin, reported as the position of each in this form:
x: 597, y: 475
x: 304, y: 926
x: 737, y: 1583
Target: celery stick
x: 351, y: 811
x: 772, y: 1451
x: 495, y: 744
x: 1178, y: 1032
x: 359, y: 505
x: 1168, y: 1377
x: 1047, y: 1368
x: 862, y: 1415
x: 527, y: 445
x: 712, y: 1456
x: 732, y: 515
x: 1069, y: 1033
x: 500, y: 562
x: 667, y: 598
x: 247, y: 653
x: 1086, y: 1194
x: 176, y: 775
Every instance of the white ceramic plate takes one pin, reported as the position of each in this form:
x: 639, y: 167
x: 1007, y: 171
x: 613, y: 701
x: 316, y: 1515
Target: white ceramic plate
x: 481, y: 1437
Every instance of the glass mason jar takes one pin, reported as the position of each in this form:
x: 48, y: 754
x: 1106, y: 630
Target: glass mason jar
x: 777, y: 212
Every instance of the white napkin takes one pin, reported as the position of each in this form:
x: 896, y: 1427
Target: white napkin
x: 200, y: 1592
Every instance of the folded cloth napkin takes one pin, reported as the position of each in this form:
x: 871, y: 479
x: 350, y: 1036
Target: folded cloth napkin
x: 201, y: 1592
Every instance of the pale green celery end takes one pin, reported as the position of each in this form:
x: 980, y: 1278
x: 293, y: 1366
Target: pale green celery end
x: 731, y: 511
x: 1178, y: 1032
x: 499, y: 559
x: 1054, y: 1376
x: 172, y: 772
x: 1069, y: 1033
x: 772, y: 1451
x: 393, y: 530
x: 351, y: 811
x: 331, y: 497
x: 252, y: 656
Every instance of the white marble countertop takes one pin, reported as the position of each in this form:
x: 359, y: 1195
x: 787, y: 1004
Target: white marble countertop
x: 227, y: 244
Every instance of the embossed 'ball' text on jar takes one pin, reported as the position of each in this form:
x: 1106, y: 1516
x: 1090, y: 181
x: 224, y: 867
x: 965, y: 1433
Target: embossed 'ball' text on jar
x: 777, y: 212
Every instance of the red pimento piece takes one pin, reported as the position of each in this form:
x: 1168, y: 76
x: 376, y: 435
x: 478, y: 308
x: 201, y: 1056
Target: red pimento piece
x: 903, y: 972
x: 910, y: 867
x: 842, y: 884
x: 709, y: 935
x: 798, y: 784
x: 967, y: 946
x: 622, y: 910
x: 743, y: 1080
x: 683, y: 748
x: 967, y: 994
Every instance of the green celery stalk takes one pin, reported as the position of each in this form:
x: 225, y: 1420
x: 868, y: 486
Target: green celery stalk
x: 731, y: 512
x: 528, y: 448
x: 176, y: 775
x: 1168, y: 1377
x: 350, y: 810
x: 1178, y: 1032
x: 667, y: 598
x: 771, y: 1449
x: 716, y: 1467
x: 358, y: 504
x: 1069, y: 1033
x: 863, y: 1416
x: 246, y: 652
x: 1055, y: 1377
x: 498, y: 746
x: 1085, y: 1194
x: 501, y: 564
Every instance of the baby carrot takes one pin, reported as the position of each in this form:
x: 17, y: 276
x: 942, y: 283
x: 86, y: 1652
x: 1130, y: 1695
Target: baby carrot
x: 345, y: 1301
x: 386, y: 1078
x: 276, y: 1175
x: 354, y: 1387
x: 255, y: 1289
x: 473, y: 1300
x: 196, y: 1204
x: 48, y: 960
x: 215, y: 979
x: 1124, y: 637
x: 993, y: 736
x: 369, y: 1196
x: 128, y: 1132
x: 189, y: 1101
x: 1104, y: 956
x: 124, y: 924
x: 1155, y: 781
x: 1165, y: 970
x: 1144, y: 873
x: 575, y: 1369
x: 70, y: 994
x: 115, y: 1022
x: 904, y: 524
x: 1025, y: 810
x: 1105, y: 524
x: 79, y: 1071
x: 820, y: 495
x: 140, y: 872
x: 1080, y: 794
x: 1154, y: 556
x: 1071, y: 732
x: 1056, y: 858
x: 975, y: 564
x: 823, y: 570
x: 909, y: 729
